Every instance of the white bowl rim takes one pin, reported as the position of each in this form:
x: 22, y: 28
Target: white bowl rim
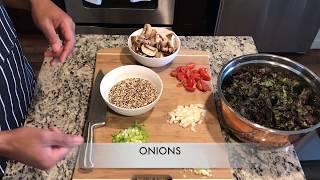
x: 161, y: 58
x: 139, y: 108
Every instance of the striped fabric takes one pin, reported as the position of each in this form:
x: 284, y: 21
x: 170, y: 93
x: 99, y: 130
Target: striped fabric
x: 16, y: 79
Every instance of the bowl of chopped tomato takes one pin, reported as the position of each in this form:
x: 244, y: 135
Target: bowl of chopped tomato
x: 192, y: 78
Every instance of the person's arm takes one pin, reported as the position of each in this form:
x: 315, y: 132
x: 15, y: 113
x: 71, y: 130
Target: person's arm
x: 50, y: 19
x: 36, y: 147
x: 4, y: 147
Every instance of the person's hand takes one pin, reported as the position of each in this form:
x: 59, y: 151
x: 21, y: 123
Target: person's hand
x: 49, y: 18
x: 38, y: 147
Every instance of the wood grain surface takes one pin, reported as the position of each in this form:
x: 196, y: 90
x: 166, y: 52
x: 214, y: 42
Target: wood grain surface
x: 155, y: 121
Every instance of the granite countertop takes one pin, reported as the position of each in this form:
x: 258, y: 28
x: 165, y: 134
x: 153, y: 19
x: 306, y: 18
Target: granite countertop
x: 62, y: 93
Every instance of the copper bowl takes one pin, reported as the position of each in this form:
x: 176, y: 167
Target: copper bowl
x: 249, y: 131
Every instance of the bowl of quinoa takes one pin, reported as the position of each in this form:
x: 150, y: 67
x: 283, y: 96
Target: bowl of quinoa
x: 131, y: 90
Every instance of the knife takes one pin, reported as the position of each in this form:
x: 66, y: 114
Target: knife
x: 96, y: 118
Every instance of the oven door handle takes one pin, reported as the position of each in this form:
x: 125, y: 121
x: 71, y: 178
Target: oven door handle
x: 96, y: 2
x: 134, y: 1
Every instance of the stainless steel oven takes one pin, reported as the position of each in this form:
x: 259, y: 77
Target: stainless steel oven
x: 119, y: 16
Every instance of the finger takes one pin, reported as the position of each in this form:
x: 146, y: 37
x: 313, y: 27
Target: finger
x: 67, y: 29
x: 55, y: 129
x: 64, y: 140
x: 55, y: 58
x: 59, y: 153
x: 54, y: 61
x: 52, y: 36
x: 48, y: 53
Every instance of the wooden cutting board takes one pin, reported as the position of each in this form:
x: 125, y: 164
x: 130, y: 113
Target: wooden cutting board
x: 155, y: 121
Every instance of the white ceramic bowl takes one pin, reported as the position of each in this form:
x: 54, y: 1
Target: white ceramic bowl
x: 125, y: 72
x: 150, y: 61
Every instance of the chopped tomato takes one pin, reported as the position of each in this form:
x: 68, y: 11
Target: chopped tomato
x: 174, y: 73
x: 196, y: 76
x: 204, y: 74
x: 199, y: 86
x: 188, y: 73
x: 191, y: 82
x: 181, y: 76
x: 184, y: 69
x: 191, y: 78
x: 206, y: 77
x: 191, y: 66
x: 190, y: 89
x: 194, y: 71
x: 205, y: 86
x: 203, y: 69
x: 179, y: 84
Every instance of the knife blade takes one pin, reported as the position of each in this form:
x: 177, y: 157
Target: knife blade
x: 96, y: 118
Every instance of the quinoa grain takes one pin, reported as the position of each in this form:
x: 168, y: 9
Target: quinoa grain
x: 132, y: 93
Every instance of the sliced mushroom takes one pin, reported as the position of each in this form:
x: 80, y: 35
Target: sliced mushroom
x: 163, y: 37
x: 142, y: 54
x: 149, y: 50
x: 171, y: 41
x: 158, y: 39
x: 145, y: 27
x: 171, y: 50
x: 153, y: 35
x: 154, y: 44
x: 163, y: 44
x: 141, y: 39
x: 165, y: 49
x: 158, y: 46
x: 135, y: 48
x: 134, y: 39
x: 147, y: 30
x: 135, y: 43
x: 159, y: 54
x: 169, y: 35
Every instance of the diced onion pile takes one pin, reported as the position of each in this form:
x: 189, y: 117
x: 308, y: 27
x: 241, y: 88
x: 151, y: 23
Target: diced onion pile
x: 200, y: 172
x: 203, y: 172
x: 185, y: 116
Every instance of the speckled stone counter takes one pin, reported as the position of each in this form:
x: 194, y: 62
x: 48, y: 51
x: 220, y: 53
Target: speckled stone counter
x: 61, y: 98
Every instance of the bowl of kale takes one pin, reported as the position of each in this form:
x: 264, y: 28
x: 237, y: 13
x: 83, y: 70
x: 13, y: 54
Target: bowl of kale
x: 269, y: 100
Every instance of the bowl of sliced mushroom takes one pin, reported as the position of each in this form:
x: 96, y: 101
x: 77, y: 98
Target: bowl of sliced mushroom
x: 154, y: 46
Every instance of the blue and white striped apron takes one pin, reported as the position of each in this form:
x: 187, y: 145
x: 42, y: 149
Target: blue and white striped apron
x: 16, y: 79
